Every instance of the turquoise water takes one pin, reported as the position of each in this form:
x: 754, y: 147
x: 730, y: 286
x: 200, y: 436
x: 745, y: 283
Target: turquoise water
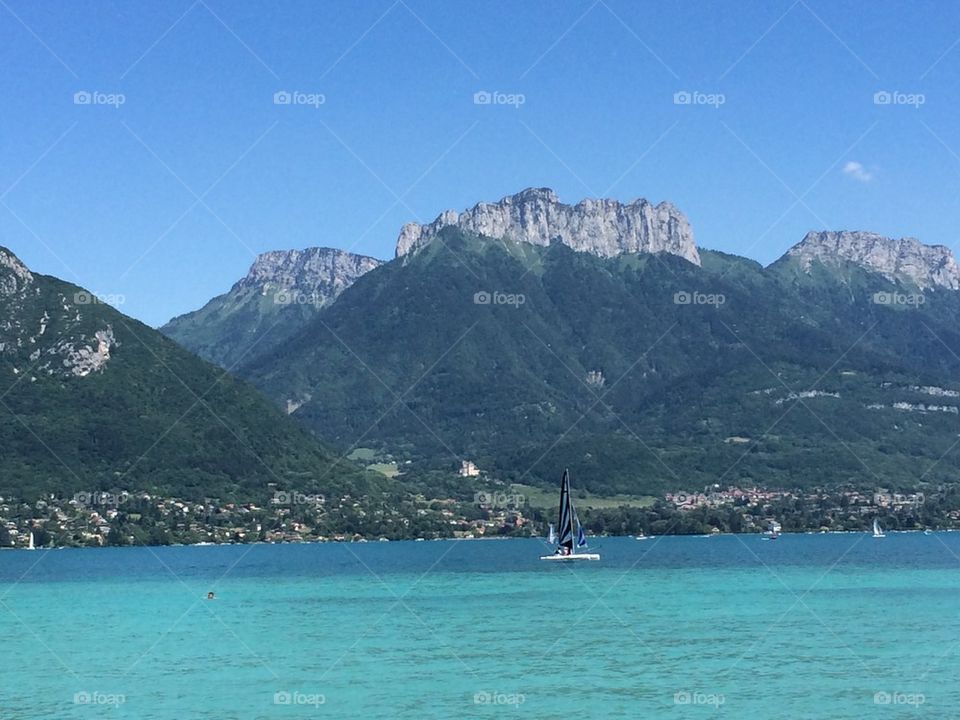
x: 810, y: 626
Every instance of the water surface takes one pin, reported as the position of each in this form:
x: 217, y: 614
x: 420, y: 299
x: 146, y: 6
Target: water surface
x: 809, y: 626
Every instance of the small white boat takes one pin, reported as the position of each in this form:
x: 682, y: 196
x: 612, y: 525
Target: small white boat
x: 565, y: 539
x: 570, y: 557
x: 773, y: 531
x: 641, y: 536
x: 877, y: 530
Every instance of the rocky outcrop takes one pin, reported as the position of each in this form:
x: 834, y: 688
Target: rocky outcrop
x: 602, y: 227
x: 278, y: 298
x: 80, y: 359
x: 906, y: 260
x: 14, y: 275
x: 322, y: 271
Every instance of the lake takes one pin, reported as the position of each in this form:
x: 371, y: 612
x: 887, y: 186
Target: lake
x: 809, y: 626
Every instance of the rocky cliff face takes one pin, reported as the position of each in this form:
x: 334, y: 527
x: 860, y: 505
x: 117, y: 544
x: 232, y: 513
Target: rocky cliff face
x: 48, y: 334
x: 279, y: 296
x: 602, y: 227
x: 14, y: 275
x: 907, y: 259
x: 322, y: 271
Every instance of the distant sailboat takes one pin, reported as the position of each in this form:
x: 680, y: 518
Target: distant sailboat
x: 877, y: 530
x: 773, y: 531
x: 552, y: 536
x: 565, y: 526
x: 31, y: 546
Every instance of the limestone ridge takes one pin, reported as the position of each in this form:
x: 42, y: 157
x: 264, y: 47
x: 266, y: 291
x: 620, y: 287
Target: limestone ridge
x: 47, y: 341
x: 907, y: 259
x: 605, y: 228
x: 325, y: 271
x: 14, y: 275
x: 277, y: 298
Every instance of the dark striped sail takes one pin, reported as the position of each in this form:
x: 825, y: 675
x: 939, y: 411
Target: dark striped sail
x: 565, y: 523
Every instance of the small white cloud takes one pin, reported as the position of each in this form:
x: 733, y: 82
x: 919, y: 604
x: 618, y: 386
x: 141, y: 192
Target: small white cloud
x: 857, y: 171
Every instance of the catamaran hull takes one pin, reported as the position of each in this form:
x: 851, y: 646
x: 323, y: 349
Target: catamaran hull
x: 574, y: 556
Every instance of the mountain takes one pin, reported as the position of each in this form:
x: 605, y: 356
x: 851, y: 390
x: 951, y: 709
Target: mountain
x: 93, y: 400
x: 641, y: 372
x: 282, y: 291
x: 906, y: 260
x: 527, y: 335
x: 601, y: 227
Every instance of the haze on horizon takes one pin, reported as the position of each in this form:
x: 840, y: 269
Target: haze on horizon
x: 136, y: 166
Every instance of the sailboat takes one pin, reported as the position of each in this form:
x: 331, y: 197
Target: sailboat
x: 552, y: 536
x: 877, y: 530
x: 567, y: 520
x: 773, y: 531
x: 31, y: 546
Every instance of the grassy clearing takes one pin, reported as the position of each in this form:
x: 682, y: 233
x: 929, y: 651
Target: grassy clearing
x: 540, y: 498
x: 389, y: 469
x: 363, y: 454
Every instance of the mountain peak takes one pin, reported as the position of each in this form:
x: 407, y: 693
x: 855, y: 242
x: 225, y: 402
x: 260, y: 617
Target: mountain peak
x: 283, y: 290
x: 906, y: 259
x: 601, y: 227
x: 14, y: 275
x: 307, y: 270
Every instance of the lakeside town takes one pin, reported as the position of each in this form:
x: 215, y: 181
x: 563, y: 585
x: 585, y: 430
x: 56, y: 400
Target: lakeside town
x: 123, y: 518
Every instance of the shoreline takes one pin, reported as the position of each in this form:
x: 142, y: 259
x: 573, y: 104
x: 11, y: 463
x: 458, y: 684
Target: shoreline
x: 364, y: 541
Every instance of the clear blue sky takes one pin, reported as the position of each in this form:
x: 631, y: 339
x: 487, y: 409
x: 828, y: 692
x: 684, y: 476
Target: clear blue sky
x: 165, y: 199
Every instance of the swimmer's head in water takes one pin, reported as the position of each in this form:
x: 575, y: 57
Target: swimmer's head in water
x: 210, y: 595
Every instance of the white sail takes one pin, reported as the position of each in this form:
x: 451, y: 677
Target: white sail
x: 31, y: 545
x: 877, y: 530
x: 552, y: 536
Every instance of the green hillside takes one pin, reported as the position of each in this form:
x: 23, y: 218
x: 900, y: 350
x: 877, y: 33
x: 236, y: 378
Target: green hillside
x: 92, y: 400
x: 791, y: 380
